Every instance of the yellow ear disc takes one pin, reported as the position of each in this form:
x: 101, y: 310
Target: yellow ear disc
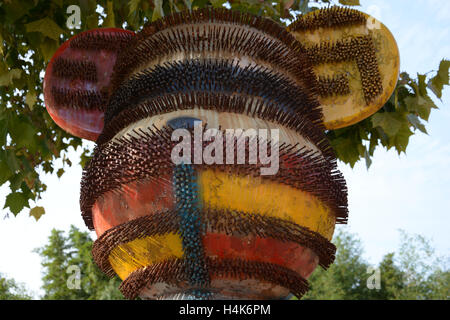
x: 356, y: 61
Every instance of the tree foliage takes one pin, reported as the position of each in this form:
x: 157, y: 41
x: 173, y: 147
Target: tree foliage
x: 11, y: 290
x: 412, y: 273
x: 67, y: 259
x: 32, y: 30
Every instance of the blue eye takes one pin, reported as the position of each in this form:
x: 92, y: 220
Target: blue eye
x: 182, y: 122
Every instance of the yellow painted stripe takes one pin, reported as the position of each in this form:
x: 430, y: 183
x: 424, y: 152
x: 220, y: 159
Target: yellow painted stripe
x: 139, y: 253
x: 253, y: 194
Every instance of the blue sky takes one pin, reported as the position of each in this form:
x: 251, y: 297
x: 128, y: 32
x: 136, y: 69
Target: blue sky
x: 409, y: 192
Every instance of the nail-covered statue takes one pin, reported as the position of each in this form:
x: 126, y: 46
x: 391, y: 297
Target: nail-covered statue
x: 218, y: 230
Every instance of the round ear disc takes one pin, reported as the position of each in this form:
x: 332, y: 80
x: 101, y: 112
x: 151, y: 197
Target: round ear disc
x: 355, y: 59
x: 77, y: 79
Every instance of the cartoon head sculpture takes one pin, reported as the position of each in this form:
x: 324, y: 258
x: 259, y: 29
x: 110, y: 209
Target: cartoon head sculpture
x: 205, y: 229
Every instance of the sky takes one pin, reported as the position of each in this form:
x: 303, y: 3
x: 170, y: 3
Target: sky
x: 409, y: 192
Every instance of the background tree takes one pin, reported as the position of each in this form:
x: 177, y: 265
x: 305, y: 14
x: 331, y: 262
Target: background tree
x: 32, y: 30
x: 62, y: 257
x: 412, y: 273
x: 11, y: 290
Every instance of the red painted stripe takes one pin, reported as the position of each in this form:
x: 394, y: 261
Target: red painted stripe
x: 287, y: 254
x: 83, y: 123
x: 132, y: 201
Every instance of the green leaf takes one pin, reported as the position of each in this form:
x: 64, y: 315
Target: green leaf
x: 443, y: 72
x: 16, y: 201
x: 60, y: 172
x: 346, y: 149
x: 58, y: 2
x: 436, y: 84
x: 422, y: 84
x: 37, y: 212
x: 158, y: 11
x: 7, y: 78
x: 26, y: 192
x: 16, y: 181
x: 401, y: 139
x: 16, y: 9
x: 47, y: 27
x: 31, y: 98
x: 5, y: 171
x: 30, y: 179
x: 85, y: 157
x: 390, y: 122
x: 11, y: 160
x: 350, y: 2
x: 1, y: 45
x: 396, y: 126
x: 415, y: 122
x: 47, y: 167
x: 368, y: 159
x: 48, y: 48
x: 91, y: 21
x: 218, y: 3
x: 420, y: 105
x: 3, y: 130
x: 133, y: 13
x: 87, y: 7
x: 133, y: 6
x: 110, y: 19
x: 22, y: 133
x: 436, y: 87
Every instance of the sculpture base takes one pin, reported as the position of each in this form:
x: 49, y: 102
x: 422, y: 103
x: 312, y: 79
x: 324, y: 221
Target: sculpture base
x: 221, y: 289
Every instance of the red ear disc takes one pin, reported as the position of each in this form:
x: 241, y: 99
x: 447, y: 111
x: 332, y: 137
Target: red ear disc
x: 77, y: 80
